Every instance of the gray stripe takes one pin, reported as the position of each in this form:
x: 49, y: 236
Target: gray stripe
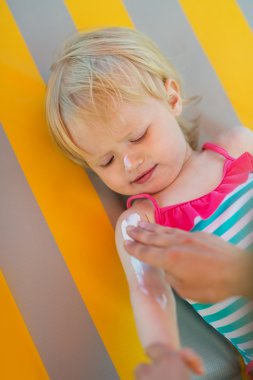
x: 41, y: 284
x: 44, y: 25
x: 247, y: 9
x: 167, y: 25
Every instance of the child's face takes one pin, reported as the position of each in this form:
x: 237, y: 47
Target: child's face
x: 141, y: 149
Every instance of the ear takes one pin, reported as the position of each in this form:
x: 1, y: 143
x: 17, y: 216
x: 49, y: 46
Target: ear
x: 174, y: 97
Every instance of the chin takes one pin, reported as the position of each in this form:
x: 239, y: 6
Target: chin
x: 158, y: 189
x: 151, y: 190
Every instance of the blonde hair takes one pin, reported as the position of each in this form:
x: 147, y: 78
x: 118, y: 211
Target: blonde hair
x: 95, y: 71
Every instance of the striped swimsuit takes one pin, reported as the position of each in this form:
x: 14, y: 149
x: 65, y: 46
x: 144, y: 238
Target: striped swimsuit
x: 227, y: 212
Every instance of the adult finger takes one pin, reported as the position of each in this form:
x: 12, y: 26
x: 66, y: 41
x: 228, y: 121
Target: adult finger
x: 146, y: 237
x: 155, y: 256
x: 154, y: 227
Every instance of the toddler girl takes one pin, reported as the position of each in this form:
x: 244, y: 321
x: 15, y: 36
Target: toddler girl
x: 114, y: 104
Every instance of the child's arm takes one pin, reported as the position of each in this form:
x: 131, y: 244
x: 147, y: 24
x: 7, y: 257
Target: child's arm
x: 152, y: 299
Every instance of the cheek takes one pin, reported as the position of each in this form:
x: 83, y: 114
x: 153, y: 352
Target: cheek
x: 112, y: 180
x: 172, y: 150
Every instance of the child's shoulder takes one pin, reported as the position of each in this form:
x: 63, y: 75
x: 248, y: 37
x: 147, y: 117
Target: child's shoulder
x: 236, y: 140
x: 142, y: 207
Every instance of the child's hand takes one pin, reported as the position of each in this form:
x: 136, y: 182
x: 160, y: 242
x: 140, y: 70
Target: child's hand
x: 168, y: 364
x: 192, y: 360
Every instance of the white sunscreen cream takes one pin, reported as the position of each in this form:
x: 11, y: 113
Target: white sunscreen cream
x: 128, y: 164
x: 151, y: 280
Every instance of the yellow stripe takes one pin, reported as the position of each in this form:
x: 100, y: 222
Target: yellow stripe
x: 67, y: 200
x: 18, y: 355
x: 88, y: 14
x: 227, y: 40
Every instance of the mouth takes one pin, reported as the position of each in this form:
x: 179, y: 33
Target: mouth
x: 144, y: 177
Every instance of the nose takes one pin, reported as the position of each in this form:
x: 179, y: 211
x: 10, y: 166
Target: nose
x: 132, y: 161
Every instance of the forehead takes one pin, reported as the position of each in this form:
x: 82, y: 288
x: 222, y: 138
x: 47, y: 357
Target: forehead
x: 121, y: 121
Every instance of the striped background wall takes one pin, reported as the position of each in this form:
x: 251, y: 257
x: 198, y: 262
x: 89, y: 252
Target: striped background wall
x: 64, y: 307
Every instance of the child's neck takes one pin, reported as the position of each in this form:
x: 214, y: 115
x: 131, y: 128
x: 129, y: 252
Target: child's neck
x: 193, y: 180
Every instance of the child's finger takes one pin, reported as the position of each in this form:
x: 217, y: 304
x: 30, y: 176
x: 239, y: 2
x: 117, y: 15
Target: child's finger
x: 192, y: 360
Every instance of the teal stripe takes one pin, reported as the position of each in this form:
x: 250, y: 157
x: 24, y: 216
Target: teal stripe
x: 237, y: 324
x: 234, y: 219
x: 243, y: 338
x: 246, y: 230
x: 246, y: 358
x: 223, y: 206
x: 226, y: 311
x: 248, y: 351
x: 202, y: 306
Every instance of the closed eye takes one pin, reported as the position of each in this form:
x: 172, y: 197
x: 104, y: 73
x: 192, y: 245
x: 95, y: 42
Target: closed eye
x: 107, y: 163
x: 140, y: 138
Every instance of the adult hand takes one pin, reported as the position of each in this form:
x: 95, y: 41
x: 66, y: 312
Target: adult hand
x: 198, y: 265
x: 168, y: 364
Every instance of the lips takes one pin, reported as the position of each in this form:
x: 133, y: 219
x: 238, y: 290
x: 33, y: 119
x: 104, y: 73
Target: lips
x: 144, y: 177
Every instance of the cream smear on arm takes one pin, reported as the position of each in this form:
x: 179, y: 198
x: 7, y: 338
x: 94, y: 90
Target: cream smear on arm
x: 151, y: 280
